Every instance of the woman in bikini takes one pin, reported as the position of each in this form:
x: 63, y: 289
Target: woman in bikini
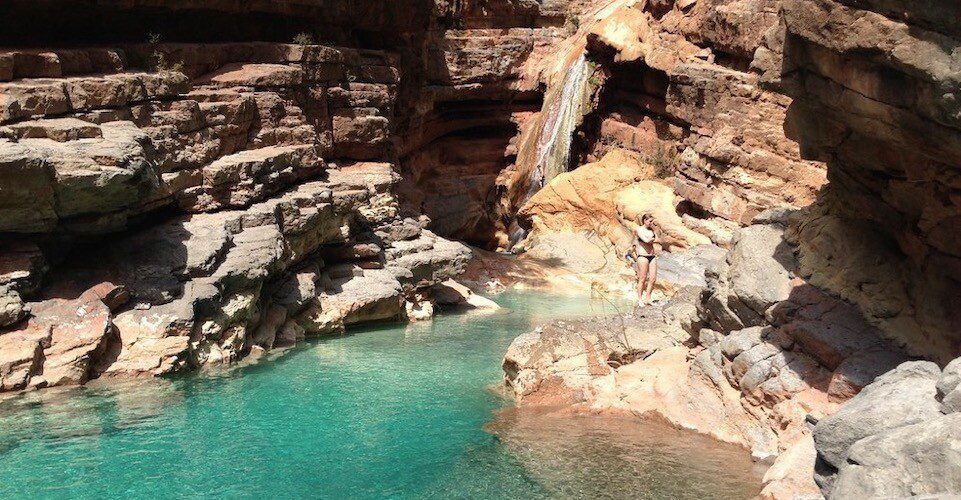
x: 642, y: 254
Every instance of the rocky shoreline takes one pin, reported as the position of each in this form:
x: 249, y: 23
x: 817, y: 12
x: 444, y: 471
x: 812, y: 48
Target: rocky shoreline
x: 756, y: 358
x: 169, y: 223
x: 187, y: 184
x: 209, y: 289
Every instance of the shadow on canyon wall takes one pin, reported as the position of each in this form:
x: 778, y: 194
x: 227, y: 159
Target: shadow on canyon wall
x: 875, y: 235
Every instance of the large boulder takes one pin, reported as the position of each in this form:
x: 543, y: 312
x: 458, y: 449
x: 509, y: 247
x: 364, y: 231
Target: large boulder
x: 559, y: 362
x: 761, y: 263
x: 901, y: 397
x: 11, y: 306
x: 687, y: 267
x: 578, y: 252
x: 756, y: 275
x: 65, y: 342
x: 353, y: 295
x: 919, y: 459
x: 606, y: 197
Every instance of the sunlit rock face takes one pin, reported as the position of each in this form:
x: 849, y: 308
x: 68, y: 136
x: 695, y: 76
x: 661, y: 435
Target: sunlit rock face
x: 183, y: 204
x: 604, y: 198
x: 691, y: 88
x: 745, y: 356
x: 876, y: 96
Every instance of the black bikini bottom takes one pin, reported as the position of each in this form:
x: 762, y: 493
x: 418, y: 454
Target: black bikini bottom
x: 650, y: 258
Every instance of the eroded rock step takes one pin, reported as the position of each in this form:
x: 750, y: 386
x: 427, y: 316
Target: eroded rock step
x: 745, y: 358
x: 283, y: 243
x: 210, y: 288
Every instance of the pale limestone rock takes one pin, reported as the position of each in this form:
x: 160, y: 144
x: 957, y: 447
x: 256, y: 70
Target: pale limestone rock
x: 901, y: 397
x: 419, y: 309
x: 949, y: 387
x: 452, y: 293
x: 12, y: 308
x: 255, y: 75
x: 371, y: 296
x: 918, y: 459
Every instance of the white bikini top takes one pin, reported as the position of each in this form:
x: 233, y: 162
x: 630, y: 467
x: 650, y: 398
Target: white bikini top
x: 646, y: 235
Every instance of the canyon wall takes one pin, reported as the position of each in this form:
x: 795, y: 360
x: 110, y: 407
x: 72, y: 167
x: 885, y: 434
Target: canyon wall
x: 877, y: 92
x: 197, y: 188
x: 162, y: 219
x: 800, y: 344
x: 876, y: 96
x: 169, y: 204
x: 180, y: 185
x: 695, y: 89
x: 744, y: 106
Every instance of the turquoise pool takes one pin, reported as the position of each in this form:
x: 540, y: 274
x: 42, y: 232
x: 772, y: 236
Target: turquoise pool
x: 399, y: 411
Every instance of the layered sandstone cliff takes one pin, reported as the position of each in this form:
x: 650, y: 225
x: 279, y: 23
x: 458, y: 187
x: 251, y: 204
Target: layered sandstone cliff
x: 794, y: 322
x: 220, y: 190
x: 172, y: 205
x: 180, y: 186
x: 694, y: 89
x: 276, y: 155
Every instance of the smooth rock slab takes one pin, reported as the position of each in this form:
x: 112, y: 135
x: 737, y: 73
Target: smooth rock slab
x: 901, y: 397
x: 686, y: 267
x: 761, y: 262
x: 919, y: 459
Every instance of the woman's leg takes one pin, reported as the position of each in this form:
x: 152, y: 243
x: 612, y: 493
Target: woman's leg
x: 650, y: 279
x: 641, y: 269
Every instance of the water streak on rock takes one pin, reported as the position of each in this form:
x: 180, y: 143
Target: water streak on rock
x: 562, y: 114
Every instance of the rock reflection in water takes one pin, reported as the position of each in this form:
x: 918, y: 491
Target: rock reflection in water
x: 78, y: 412
x: 623, y: 457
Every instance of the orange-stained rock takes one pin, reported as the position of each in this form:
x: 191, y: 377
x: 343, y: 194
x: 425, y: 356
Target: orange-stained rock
x: 607, y: 197
x: 706, y: 360
x: 255, y: 75
x: 65, y: 342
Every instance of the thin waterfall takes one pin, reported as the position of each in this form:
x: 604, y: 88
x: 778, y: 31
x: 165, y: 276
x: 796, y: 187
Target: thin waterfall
x: 562, y: 114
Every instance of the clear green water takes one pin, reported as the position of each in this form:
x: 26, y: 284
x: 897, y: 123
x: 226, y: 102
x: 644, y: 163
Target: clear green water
x: 387, y: 412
